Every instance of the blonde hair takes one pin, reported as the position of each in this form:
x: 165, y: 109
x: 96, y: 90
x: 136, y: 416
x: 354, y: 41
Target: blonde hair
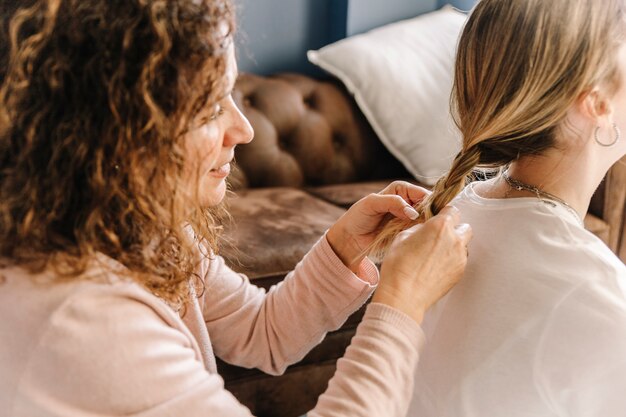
x: 520, y: 66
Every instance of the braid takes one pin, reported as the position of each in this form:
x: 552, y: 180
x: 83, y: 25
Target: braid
x: 451, y: 184
x: 444, y: 191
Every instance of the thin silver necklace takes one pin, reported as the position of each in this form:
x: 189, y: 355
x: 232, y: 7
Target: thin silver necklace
x: 541, y: 195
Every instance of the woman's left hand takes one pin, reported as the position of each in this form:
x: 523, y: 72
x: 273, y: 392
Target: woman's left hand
x: 360, y: 225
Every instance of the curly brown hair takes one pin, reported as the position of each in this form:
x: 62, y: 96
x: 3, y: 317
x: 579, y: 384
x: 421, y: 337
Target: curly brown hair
x: 94, y: 99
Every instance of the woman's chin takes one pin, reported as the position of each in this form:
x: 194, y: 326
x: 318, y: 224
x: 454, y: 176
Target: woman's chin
x: 212, y: 192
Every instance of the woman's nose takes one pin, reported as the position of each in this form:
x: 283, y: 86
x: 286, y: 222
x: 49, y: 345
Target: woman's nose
x: 240, y: 131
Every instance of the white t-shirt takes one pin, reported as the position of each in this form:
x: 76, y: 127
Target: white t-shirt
x: 537, y: 327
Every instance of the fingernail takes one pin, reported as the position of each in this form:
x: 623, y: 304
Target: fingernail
x: 411, y: 213
x: 462, y: 228
x: 454, y: 209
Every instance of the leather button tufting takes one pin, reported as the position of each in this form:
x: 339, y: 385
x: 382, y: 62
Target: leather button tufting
x: 338, y: 141
x: 306, y: 132
x: 309, y: 101
x: 283, y: 143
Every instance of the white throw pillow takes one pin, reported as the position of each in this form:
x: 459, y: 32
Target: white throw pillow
x: 401, y: 76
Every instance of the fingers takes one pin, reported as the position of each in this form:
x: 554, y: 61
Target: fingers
x: 378, y: 204
x: 410, y: 193
x: 465, y: 232
x: 450, y: 212
x: 408, y: 233
x: 450, y: 217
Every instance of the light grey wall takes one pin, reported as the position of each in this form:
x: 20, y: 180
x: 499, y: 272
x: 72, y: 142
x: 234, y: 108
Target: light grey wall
x: 274, y: 35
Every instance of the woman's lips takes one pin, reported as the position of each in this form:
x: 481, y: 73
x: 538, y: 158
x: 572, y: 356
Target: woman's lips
x: 221, y: 172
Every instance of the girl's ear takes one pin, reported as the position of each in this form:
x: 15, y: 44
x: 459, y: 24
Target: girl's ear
x: 595, y: 106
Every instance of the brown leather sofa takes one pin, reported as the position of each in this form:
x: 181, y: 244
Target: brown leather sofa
x: 314, y: 155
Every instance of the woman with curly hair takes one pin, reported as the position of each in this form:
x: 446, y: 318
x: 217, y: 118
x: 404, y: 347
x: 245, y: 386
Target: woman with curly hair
x: 538, y: 325
x: 117, y: 129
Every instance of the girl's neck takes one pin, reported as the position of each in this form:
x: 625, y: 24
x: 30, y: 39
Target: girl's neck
x: 571, y: 177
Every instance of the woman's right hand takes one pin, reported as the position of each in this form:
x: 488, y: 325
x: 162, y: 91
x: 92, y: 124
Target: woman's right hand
x: 423, y: 263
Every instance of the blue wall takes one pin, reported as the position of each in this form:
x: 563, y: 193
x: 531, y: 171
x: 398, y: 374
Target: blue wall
x: 364, y: 15
x: 274, y: 35
x: 465, y: 5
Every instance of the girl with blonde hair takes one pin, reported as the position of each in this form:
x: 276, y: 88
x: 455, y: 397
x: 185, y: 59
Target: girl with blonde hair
x: 538, y: 325
x: 117, y: 129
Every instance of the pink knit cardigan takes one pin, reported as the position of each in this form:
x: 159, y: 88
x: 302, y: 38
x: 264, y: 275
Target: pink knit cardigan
x: 105, y: 346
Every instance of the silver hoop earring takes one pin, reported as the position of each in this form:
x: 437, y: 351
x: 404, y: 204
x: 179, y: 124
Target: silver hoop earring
x: 618, y: 135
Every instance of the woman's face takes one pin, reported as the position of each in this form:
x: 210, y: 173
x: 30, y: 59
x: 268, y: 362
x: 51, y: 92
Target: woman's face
x: 210, y: 143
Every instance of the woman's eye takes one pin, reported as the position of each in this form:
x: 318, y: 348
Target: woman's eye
x: 206, y: 119
x: 217, y: 113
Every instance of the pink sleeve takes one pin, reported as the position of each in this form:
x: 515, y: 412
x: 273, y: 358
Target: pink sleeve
x: 375, y: 376
x: 271, y: 331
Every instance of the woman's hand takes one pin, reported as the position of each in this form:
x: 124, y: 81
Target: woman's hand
x: 423, y: 263
x: 360, y: 225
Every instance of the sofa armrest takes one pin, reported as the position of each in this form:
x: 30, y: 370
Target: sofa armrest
x: 609, y: 206
x: 615, y: 201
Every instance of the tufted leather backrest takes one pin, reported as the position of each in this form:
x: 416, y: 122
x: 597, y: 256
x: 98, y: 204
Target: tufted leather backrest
x: 307, y: 132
